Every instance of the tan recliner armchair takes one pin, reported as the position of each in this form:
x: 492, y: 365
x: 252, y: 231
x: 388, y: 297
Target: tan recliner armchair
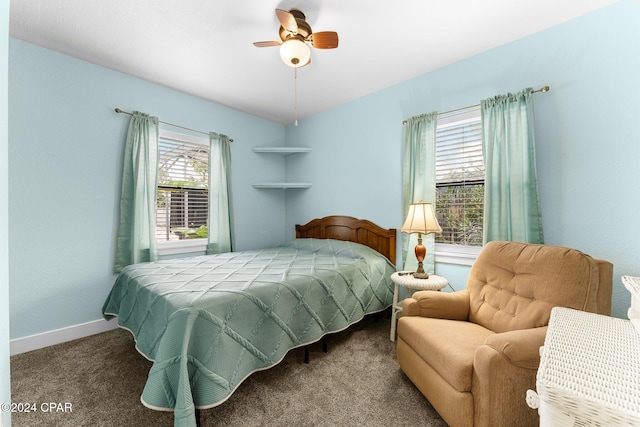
x: 474, y: 353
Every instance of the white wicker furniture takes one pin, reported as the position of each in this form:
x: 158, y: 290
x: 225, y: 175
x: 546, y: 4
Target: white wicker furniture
x: 633, y: 285
x: 589, y: 372
x: 406, y: 280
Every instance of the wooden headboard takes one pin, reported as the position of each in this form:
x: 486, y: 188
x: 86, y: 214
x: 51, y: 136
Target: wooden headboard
x: 353, y: 230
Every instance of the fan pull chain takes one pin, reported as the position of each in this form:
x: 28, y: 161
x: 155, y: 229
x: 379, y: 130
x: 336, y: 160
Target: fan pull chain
x: 295, y: 94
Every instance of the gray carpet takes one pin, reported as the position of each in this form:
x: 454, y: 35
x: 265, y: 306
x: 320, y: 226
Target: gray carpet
x: 357, y: 383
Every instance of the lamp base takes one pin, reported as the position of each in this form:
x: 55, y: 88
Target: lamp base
x: 420, y: 273
x: 420, y: 251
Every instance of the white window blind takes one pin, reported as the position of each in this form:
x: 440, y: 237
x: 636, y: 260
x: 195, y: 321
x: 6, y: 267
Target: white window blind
x: 183, y: 193
x: 460, y: 178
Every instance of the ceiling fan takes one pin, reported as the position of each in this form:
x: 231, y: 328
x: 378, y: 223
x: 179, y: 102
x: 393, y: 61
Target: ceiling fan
x: 296, y: 36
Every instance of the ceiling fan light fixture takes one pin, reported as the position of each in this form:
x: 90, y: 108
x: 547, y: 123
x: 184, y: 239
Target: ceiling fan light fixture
x: 295, y: 53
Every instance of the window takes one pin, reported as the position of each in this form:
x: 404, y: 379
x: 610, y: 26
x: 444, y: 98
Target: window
x: 460, y: 178
x: 183, y: 193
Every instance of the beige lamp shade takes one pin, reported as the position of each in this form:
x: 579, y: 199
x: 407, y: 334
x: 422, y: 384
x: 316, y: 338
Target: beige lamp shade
x: 421, y: 218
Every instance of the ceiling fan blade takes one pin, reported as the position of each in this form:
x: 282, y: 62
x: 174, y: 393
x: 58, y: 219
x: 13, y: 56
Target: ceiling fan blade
x: 324, y: 40
x: 287, y: 20
x: 267, y: 44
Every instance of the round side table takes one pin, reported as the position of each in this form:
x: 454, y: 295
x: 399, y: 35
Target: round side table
x: 406, y: 280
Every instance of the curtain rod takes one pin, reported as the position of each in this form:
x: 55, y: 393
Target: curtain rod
x: 543, y: 89
x: 119, y: 111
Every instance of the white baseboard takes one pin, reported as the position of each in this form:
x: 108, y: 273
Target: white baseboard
x: 57, y: 336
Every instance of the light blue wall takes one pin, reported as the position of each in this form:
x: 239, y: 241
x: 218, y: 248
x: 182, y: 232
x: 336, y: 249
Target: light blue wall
x: 588, y: 145
x: 65, y: 157
x: 5, y: 382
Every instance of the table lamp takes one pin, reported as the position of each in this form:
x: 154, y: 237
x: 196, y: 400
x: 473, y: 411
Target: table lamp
x: 421, y: 219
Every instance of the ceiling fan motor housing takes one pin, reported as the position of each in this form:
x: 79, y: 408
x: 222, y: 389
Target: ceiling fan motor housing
x: 304, y: 29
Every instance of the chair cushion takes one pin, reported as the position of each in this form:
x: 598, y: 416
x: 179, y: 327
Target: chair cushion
x: 448, y: 346
x: 514, y: 285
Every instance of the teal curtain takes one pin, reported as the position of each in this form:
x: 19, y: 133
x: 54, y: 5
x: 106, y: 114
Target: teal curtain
x: 221, y: 232
x: 136, y: 241
x: 419, y: 182
x: 511, y: 203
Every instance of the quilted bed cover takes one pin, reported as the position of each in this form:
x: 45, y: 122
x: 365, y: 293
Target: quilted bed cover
x: 208, y: 322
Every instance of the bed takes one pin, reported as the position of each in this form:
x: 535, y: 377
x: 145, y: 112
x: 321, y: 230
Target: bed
x: 208, y: 322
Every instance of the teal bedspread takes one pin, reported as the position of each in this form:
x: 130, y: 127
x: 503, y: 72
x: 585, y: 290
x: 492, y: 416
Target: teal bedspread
x: 208, y: 322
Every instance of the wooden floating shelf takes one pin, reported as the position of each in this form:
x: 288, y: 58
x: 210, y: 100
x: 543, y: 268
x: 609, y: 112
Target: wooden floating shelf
x: 282, y: 185
x: 281, y: 150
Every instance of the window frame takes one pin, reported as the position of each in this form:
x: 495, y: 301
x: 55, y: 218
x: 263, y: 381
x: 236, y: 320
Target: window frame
x: 456, y: 254
x: 448, y: 253
x: 177, y: 247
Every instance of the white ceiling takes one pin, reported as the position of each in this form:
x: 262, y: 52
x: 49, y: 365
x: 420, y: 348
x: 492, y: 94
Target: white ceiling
x: 205, y: 47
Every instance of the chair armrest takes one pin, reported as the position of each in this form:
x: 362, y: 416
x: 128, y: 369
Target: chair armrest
x: 504, y: 368
x: 520, y: 347
x: 439, y: 305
